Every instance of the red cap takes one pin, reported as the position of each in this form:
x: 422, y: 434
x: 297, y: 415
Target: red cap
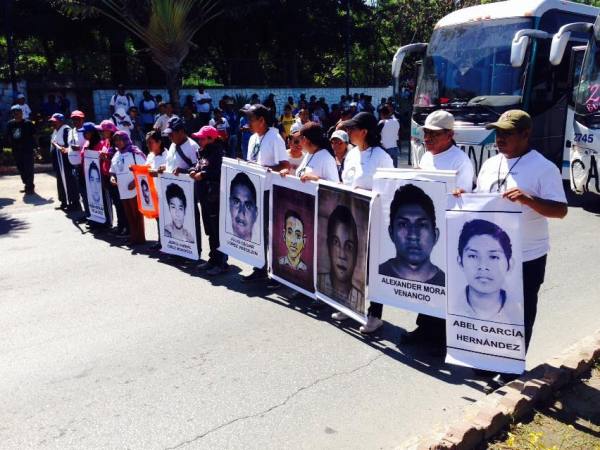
x: 77, y: 113
x: 206, y: 131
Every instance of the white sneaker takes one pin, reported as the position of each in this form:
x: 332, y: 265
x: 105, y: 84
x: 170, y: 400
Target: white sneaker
x: 373, y: 324
x: 339, y: 316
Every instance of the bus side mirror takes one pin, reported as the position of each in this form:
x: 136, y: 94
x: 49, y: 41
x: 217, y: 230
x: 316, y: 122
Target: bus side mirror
x: 558, y: 47
x: 518, y: 50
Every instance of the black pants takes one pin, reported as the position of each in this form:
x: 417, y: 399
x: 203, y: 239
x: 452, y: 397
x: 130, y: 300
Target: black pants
x: 82, y: 189
x: 533, y: 277
x: 197, y: 224
x: 70, y: 197
x: 60, y: 188
x: 116, y: 200
x: 210, y: 220
x: 24, y: 160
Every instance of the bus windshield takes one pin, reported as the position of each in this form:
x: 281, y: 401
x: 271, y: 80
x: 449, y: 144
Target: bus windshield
x: 587, y: 94
x: 468, y: 65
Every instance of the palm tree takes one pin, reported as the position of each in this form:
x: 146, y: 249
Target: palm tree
x: 167, y: 27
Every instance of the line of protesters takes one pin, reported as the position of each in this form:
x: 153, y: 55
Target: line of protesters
x: 348, y: 152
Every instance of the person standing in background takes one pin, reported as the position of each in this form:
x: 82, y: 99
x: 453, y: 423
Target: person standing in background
x: 390, y: 129
x: 24, y: 106
x: 148, y: 108
x: 19, y: 137
x: 203, y: 103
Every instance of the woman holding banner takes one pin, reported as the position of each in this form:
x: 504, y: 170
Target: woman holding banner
x: 360, y: 166
x: 121, y: 177
x: 157, y: 157
x: 93, y: 142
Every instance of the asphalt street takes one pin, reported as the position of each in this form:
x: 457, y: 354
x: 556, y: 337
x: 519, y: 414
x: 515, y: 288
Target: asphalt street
x: 103, y: 347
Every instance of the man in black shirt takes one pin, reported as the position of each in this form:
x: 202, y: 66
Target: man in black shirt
x: 19, y: 135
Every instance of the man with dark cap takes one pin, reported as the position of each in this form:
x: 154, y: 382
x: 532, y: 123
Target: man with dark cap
x: 19, y: 136
x: 68, y: 193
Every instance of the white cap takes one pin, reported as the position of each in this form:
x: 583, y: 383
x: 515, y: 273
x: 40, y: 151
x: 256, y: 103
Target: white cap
x: 439, y: 120
x: 16, y: 108
x: 341, y: 135
x: 20, y: 96
x: 296, y: 126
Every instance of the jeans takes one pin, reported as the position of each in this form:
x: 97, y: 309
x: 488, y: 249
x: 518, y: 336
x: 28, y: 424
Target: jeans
x: 24, y: 161
x: 210, y: 220
x: 394, y: 153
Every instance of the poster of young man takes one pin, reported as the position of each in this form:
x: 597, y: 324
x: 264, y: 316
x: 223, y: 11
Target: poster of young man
x: 292, y: 231
x: 99, y: 203
x: 342, y: 250
x: 241, y: 219
x: 147, y: 197
x: 408, y: 240
x: 177, y: 218
x: 485, y: 318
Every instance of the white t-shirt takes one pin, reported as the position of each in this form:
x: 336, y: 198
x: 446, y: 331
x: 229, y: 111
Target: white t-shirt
x: 360, y: 167
x: 155, y: 161
x: 223, y: 126
x: 452, y: 159
x: 125, y: 124
x: 119, y: 165
x: 162, y: 122
x: 270, y: 148
x: 148, y: 117
x: 536, y: 176
x: 202, y: 107
x: 26, y: 110
x: 121, y: 101
x: 294, y: 162
x: 58, y: 136
x: 174, y: 161
x: 320, y: 163
x: 75, y: 139
x: 389, y: 132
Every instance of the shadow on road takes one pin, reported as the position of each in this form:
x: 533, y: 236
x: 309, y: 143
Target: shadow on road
x: 6, y: 202
x: 36, y: 200
x: 9, y: 224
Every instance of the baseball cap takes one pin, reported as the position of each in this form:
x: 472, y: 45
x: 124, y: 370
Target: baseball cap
x: 511, y: 120
x: 174, y: 124
x: 362, y: 120
x: 295, y: 128
x: 257, y: 110
x: 341, y: 135
x: 77, y: 113
x: 16, y: 108
x: 108, y: 125
x: 206, y: 131
x: 57, y: 117
x: 20, y: 96
x: 88, y: 126
x: 439, y: 120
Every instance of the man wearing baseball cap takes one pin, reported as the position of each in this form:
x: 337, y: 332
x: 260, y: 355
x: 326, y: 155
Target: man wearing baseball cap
x: 65, y: 183
x: 442, y: 154
x: 523, y: 175
x: 24, y: 106
x: 19, y: 136
x: 207, y: 173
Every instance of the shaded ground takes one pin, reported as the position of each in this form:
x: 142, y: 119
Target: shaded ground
x: 570, y: 422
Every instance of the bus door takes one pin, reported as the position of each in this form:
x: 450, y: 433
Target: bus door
x: 574, y: 73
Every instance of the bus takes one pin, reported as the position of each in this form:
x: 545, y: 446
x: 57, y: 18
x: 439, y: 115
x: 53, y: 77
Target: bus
x: 582, y: 147
x: 483, y: 60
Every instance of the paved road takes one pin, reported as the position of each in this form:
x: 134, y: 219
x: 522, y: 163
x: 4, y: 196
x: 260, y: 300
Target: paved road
x: 102, y: 348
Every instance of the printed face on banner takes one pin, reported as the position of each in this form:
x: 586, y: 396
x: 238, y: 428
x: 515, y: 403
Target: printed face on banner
x: 93, y: 180
x: 293, y: 234
x: 177, y: 207
x: 95, y: 184
x: 341, y: 256
x: 485, y: 320
x: 145, y: 189
x: 485, y: 267
x: 243, y: 207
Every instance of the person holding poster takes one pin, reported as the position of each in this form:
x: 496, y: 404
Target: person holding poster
x: 442, y: 154
x: 360, y: 165
x: 318, y: 162
x: 207, y: 174
x: 267, y: 149
x: 97, y: 202
x: 157, y: 157
x: 121, y: 176
x: 65, y: 183
x: 295, y: 152
x: 524, y: 176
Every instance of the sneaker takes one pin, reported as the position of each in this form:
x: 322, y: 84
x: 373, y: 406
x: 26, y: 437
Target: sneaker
x: 256, y: 275
x: 417, y: 336
x: 156, y: 246
x: 373, y: 324
x: 216, y: 270
x: 206, y: 265
x: 273, y: 285
x: 116, y: 231
x: 339, y: 316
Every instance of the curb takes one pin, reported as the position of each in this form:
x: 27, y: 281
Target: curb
x: 487, y: 417
x: 38, y: 168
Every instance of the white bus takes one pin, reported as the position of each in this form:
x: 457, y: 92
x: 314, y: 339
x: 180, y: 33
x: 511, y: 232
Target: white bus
x: 484, y: 60
x: 582, y: 147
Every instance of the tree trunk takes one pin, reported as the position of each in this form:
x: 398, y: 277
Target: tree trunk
x: 173, y: 77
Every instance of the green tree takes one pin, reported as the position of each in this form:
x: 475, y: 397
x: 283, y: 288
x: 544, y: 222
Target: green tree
x: 166, y: 27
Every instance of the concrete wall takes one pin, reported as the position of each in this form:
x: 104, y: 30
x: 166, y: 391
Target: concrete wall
x: 332, y: 95
x: 7, y: 97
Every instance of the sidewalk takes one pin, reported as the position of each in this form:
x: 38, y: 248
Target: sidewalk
x: 38, y: 168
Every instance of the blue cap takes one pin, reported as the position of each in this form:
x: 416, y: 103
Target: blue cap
x: 88, y: 126
x: 174, y: 124
x: 57, y: 116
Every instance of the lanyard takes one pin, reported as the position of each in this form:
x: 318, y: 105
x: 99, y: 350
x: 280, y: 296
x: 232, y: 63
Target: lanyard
x: 503, y: 182
x: 256, y: 148
x: 301, y: 171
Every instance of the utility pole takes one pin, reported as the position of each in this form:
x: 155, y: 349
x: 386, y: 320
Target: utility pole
x: 10, y: 49
x: 348, y: 25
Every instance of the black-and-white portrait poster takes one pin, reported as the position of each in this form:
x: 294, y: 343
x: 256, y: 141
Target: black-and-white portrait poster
x: 98, y: 202
x: 342, y: 247
x: 484, y: 323
x: 242, y: 215
x: 177, y: 218
x: 408, y: 240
